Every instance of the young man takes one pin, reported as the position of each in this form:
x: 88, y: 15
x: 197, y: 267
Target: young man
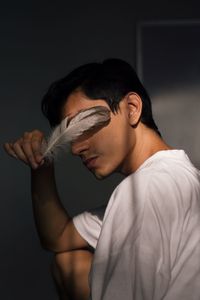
x: 146, y: 243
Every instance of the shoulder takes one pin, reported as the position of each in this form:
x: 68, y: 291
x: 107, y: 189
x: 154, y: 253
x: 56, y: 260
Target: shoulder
x: 173, y: 187
x: 166, y: 176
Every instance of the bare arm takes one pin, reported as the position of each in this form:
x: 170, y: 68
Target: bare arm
x: 55, y: 227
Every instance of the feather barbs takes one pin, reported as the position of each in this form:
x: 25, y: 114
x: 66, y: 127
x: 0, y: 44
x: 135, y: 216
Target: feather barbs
x: 68, y: 131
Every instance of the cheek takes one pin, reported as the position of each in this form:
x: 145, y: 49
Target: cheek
x: 111, y: 151
x: 115, y: 137
x: 112, y: 147
x: 112, y: 137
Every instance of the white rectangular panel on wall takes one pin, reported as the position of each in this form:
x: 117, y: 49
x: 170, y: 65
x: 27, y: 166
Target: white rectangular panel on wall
x: 168, y: 63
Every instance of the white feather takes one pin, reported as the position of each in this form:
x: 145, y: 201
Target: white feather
x: 65, y: 133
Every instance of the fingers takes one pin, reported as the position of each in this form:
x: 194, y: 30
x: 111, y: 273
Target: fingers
x: 27, y: 148
x: 9, y: 149
x: 37, y: 139
x: 17, y: 148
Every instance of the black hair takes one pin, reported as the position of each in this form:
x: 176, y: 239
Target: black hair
x: 110, y: 80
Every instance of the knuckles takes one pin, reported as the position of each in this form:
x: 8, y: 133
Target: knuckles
x: 25, y: 143
x: 38, y: 133
x: 15, y: 144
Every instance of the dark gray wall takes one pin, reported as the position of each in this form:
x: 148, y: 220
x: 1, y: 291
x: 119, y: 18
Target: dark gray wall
x: 169, y: 65
x: 40, y: 42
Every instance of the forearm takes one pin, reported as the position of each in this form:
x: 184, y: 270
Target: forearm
x: 55, y: 228
x: 50, y: 216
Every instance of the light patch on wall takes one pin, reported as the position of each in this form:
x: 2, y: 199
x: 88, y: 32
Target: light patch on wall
x: 168, y: 63
x: 179, y: 125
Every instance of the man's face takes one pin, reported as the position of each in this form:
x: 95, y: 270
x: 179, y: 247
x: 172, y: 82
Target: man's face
x: 105, y: 150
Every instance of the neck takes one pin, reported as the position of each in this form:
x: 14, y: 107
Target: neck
x: 146, y: 143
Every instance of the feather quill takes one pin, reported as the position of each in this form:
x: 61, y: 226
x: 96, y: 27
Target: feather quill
x: 66, y: 132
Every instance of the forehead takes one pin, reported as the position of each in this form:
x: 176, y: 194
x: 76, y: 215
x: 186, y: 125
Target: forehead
x: 77, y: 101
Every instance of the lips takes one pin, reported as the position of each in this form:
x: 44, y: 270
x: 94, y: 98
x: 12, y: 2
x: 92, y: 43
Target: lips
x: 90, y: 162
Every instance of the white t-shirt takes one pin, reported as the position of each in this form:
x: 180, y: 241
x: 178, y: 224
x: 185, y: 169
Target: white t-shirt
x: 147, y: 241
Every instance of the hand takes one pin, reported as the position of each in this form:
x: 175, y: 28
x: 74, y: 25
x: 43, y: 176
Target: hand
x: 27, y: 148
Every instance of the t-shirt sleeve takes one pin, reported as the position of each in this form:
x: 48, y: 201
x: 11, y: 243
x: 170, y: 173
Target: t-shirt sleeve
x: 89, y: 224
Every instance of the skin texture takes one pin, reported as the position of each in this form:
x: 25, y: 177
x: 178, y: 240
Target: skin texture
x: 120, y: 146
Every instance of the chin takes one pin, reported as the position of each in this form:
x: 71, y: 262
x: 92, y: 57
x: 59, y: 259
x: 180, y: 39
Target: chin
x: 102, y: 174
x: 99, y: 176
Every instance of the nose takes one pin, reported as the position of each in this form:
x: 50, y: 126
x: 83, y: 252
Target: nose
x: 79, y: 147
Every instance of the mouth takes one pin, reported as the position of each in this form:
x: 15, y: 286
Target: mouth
x: 90, y: 162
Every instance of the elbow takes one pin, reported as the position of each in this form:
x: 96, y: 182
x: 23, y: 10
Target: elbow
x: 46, y: 245
x: 51, y: 247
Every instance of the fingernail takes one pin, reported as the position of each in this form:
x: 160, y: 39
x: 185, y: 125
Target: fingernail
x: 39, y: 158
x: 34, y: 166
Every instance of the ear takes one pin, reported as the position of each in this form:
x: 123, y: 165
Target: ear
x: 134, y: 108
